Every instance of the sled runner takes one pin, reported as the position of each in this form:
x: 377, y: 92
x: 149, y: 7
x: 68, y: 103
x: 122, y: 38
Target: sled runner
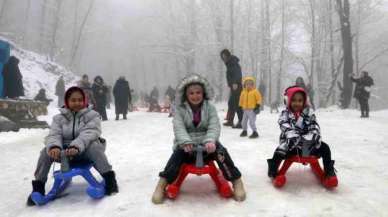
x: 280, y: 180
x: 95, y: 190
x: 200, y: 168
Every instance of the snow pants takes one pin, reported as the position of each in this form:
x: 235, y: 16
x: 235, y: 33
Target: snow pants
x: 94, y: 154
x: 221, y: 156
x: 323, y: 151
x: 249, y: 116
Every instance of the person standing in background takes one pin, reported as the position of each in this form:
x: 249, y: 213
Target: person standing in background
x: 99, y: 92
x: 122, y: 95
x: 234, y: 79
x: 362, y: 91
x: 60, y: 91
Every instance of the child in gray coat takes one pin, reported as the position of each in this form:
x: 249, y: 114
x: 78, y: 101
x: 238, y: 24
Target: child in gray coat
x: 76, y: 130
x: 196, y: 123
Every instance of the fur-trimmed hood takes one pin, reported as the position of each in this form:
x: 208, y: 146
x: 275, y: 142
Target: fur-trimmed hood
x: 190, y: 79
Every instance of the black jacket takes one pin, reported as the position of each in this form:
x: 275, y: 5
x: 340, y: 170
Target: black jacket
x: 362, y: 83
x: 233, y: 71
x: 13, y: 79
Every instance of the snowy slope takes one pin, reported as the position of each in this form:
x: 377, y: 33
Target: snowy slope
x: 139, y: 148
x: 38, y: 72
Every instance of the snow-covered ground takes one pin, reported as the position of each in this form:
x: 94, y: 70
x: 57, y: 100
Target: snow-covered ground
x: 139, y: 148
x: 38, y: 72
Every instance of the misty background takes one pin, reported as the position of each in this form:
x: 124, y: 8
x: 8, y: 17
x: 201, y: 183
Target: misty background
x: 157, y: 42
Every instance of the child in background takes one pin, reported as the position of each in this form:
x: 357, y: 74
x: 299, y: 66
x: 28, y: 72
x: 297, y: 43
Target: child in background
x: 250, y: 101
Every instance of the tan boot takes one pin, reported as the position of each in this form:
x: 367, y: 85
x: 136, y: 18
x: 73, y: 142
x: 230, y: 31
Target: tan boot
x: 158, y: 195
x: 238, y: 190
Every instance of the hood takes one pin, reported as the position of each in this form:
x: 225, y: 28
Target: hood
x: 190, y: 79
x: 290, y: 92
x: 13, y: 60
x: 248, y: 78
x: 73, y: 89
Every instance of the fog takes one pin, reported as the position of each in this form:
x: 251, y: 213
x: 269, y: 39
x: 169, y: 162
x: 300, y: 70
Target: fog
x: 157, y: 42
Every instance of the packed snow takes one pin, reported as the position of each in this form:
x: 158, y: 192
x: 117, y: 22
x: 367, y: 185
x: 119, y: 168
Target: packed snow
x: 139, y: 147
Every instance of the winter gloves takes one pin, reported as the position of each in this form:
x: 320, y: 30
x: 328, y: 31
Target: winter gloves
x: 256, y: 110
x: 209, y: 147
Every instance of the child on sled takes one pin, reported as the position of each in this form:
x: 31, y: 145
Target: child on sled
x: 300, y: 132
x: 196, y: 123
x: 76, y: 130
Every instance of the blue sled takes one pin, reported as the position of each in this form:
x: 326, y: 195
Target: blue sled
x: 95, y: 190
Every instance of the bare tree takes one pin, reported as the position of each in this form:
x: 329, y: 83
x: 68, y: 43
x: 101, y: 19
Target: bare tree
x: 343, y: 9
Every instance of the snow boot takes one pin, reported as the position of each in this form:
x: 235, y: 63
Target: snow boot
x: 110, y: 183
x: 37, y: 186
x: 329, y: 169
x: 158, y: 195
x: 125, y: 117
x: 272, y: 168
x: 238, y: 190
x: 254, y: 135
x: 243, y: 133
x: 117, y: 117
x: 228, y: 124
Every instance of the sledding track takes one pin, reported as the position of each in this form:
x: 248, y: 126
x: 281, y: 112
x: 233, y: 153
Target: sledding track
x: 139, y: 147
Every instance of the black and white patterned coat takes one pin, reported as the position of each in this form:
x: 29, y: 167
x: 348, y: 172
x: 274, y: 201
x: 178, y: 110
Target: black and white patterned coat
x: 296, y: 131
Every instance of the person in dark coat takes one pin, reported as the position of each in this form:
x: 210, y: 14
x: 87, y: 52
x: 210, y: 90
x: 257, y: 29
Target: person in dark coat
x: 310, y: 92
x: 41, y: 96
x: 154, y: 100
x: 100, y: 91
x: 86, y: 86
x: 234, y: 79
x: 60, y: 91
x: 170, y: 92
x: 13, y: 79
x: 122, y: 95
x: 362, y: 92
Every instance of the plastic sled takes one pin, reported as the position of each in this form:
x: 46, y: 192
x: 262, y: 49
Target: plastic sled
x: 95, y: 190
x: 209, y: 168
x: 280, y: 180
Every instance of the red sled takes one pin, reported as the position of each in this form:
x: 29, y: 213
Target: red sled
x: 280, y: 180
x: 221, y: 183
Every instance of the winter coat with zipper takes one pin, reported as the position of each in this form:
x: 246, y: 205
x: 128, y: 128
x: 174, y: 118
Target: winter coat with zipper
x: 249, y: 99
x: 297, y: 128
x: 74, y: 129
x: 185, y: 132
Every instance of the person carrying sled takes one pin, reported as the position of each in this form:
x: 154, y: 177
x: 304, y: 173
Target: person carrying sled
x: 196, y: 123
x: 76, y: 130
x: 299, y: 132
x: 250, y: 102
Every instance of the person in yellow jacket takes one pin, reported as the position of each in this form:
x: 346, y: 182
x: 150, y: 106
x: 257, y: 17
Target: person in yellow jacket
x: 250, y: 101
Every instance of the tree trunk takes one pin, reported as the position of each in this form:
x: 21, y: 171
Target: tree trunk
x: 343, y: 9
x: 279, y: 83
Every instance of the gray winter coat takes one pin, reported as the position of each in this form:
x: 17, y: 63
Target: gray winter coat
x: 208, y: 130
x: 79, y: 129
